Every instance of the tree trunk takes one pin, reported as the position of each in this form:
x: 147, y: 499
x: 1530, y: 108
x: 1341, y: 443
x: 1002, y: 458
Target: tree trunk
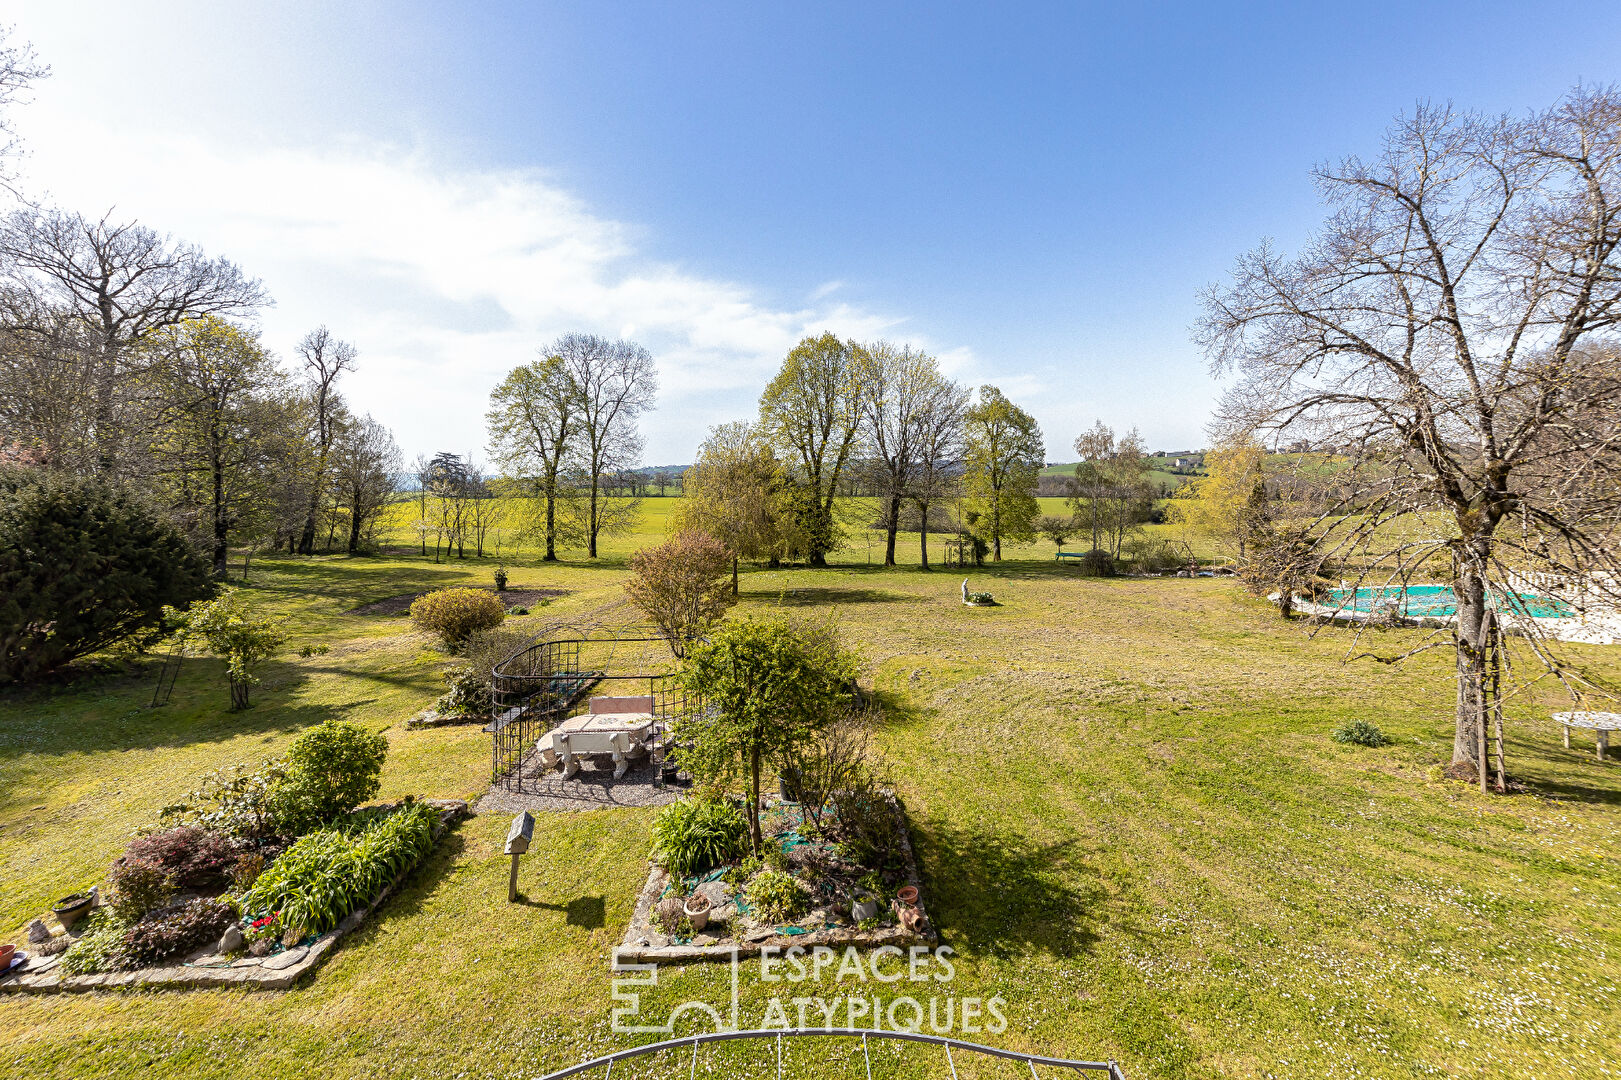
x: 734, y: 577
x: 306, y: 539
x: 551, y: 525
x: 239, y: 695
x: 355, y: 524
x: 754, y: 800
x: 221, y: 531
x: 1472, y: 630
x: 923, y: 532
x: 891, y: 527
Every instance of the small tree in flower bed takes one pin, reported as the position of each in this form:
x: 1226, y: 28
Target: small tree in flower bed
x: 232, y: 631
x: 330, y: 769
x: 455, y: 615
x: 681, y: 586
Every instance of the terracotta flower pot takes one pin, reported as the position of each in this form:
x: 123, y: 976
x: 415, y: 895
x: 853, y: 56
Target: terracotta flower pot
x: 696, y: 909
x: 907, y: 894
x: 70, y: 909
x: 6, y: 953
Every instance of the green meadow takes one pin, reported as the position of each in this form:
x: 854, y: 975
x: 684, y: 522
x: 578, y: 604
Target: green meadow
x: 1134, y: 829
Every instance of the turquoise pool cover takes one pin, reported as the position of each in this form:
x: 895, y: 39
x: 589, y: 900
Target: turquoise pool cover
x: 1418, y: 601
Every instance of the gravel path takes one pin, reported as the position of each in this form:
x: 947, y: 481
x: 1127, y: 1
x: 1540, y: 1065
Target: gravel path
x: 592, y: 788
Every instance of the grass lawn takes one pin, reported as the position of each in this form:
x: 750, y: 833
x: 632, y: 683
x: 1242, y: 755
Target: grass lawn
x: 1132, y: 823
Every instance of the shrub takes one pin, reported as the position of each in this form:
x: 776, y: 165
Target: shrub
x: 500, y: 579
x: 467, y: 692
x: 233, y: 801
x: 329, y: 873
x: 694, y: 835
x: 249, y: 865
x: 138, y: 886
x: 100, y: 947
x: 227, y: 627
x: 455, y: 615
x: 838, y: 757
x: 671, y: 915
x: 683, y: 586
x: 1154, y: 554
x: 1055, y: 528
x: 84, y: 564
x: 775, y: 896
x: 330, y: 769
x: 1097, y: 562
x: 1360, y: 733
x: 867, y: 827
x: 194, y: 857
x: 175, y: 930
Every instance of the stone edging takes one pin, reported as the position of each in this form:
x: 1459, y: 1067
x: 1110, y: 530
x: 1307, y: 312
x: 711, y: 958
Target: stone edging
x: 638, y: 946
x: 249, y: 972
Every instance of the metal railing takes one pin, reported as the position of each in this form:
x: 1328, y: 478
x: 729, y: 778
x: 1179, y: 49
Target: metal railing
x: 694, y: 1041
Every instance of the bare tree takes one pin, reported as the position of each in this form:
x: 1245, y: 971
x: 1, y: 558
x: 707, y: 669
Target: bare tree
x: 1443, y: 343
x: 533, y: 421
x: 616, y: 383
x: 366, y: 464
x: 19, y: 68
x: 810, y: 412
x: 325, y: 358
x: 123, y: 282
x: 899, y: 385
x: 938, y: 447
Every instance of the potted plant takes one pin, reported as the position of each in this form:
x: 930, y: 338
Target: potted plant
x: 70, y: 909
x: 864, y: 906
x: 6, y: 953
x: 696, y: 909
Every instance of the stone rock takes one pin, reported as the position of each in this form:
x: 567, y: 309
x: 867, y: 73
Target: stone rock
x: 248, y: 961
x: 655, y: 940
x: 38, y: 932
x: 259, y: 948
x: 704, y: 939
x: 286, y: 959
x: 231, y: 940
x: 37, y: 964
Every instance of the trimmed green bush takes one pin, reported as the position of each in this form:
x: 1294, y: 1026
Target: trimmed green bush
x: 331, y: 769
x: 331, y: 872
x: 455, y: 615
x: 84, y: 564
x: 694, y: 835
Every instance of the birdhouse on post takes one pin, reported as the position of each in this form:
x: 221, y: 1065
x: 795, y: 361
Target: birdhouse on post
x: 518, y: 838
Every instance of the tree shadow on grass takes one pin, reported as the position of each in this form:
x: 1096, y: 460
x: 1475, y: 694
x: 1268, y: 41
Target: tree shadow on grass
x: 1004, y: 894
x: 818, y: 596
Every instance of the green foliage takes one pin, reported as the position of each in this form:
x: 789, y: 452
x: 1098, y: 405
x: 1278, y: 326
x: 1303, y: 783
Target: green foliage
x: 1055, y: 528
x: 84, y: 564
x: 1002, y: 461
x: 232, y: 801
x: 768, y: 685
x: 776, y: 896
x: 137, y: 886
x: 101, y: 945
x: 501, y: 578
x: 329, y: 873
x: 455, y: 615
x: 1360, y: 732
x: 174, y: 931
x: 467, y: 692
x: 231, y: 630
x: 693, y: 835
x: 1154, y: 554
x: 330, y: 769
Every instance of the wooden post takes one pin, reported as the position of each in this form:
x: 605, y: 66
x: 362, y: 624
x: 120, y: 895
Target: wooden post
x: 1603, y: 743
x: 518, y: 837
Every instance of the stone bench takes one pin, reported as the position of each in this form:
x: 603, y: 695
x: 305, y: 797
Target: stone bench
x: 1602, y: 723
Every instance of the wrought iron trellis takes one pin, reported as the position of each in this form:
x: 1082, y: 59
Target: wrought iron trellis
x: 1108, y: 1068
x: 547, y: 680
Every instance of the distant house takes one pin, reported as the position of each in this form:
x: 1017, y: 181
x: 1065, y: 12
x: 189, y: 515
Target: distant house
x: 1186, y: 463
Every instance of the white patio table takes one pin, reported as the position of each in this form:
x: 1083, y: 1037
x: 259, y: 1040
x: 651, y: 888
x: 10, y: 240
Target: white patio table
x: 1602, y: 723
x: 622, y: 735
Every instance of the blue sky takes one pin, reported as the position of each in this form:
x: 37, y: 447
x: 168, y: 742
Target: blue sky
x: 1036, y: 193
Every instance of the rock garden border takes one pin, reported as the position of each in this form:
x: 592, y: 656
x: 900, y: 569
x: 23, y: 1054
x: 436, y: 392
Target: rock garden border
x: 208, y: 968
x: 644, y: 942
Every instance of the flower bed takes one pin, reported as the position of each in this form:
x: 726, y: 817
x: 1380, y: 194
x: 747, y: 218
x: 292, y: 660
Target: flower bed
x: 828, y: 884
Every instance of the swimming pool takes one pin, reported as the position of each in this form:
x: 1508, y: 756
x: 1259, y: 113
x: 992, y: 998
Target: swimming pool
x: 1435, y: 601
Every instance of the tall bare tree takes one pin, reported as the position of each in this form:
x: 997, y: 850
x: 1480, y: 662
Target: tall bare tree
x: 19, y: 69
x: 616, y: 383
x: 900, y: 385
x: 122, y: 282
x: 810, y: 412
x: 325, y: 358
x: 533, y: 422
x: 938, y: 448
x: 1446, y: 342
x: 366, y: 468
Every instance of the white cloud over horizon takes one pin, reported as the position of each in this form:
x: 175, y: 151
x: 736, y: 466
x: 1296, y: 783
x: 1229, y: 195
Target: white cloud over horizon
x: 445, y: 278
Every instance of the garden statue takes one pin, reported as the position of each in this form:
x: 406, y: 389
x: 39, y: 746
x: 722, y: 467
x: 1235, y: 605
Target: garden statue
x: 965, y: 590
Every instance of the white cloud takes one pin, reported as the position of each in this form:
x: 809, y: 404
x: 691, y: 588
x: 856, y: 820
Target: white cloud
x: 443, y: 278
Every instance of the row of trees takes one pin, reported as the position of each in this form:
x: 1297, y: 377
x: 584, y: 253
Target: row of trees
x: 879, y: 417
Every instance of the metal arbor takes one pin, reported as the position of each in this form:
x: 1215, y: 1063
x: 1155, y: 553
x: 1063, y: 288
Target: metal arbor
x: 606, y: 1063
x: 547, y: 680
